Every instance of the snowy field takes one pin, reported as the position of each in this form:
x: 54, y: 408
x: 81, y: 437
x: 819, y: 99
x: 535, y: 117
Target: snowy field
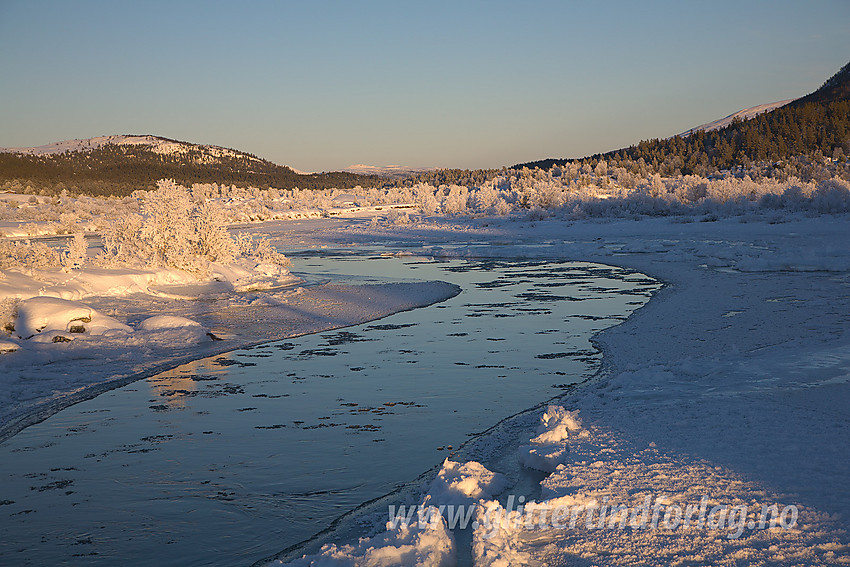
x: 725, y: 397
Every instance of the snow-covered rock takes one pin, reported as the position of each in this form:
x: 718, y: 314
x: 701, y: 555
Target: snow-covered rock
x: 104, y: 324
x: 53, y: 337
x: 40, y: 315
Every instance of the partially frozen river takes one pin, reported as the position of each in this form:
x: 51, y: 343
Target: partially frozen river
x: 230, y: 459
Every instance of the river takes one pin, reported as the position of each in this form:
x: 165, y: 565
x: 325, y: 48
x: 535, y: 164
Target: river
x: 230, y: 459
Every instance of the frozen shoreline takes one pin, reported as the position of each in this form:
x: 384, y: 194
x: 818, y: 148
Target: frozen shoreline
x: 39, y: 380
x: 729, y: 384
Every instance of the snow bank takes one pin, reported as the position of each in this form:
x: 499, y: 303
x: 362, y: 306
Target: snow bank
x: 549, y: 448
x: 426, y: 543
x: 556, y: 425
x: 500, y: 536
x: 248, y: 275
x: 458, y: 484
x: 174, y: 329
x: 421, y: 536
x: 158, y: 322
x: 617, y: 502
x: 118, y: 282
x: 80, y: 284
x: 494, y: 547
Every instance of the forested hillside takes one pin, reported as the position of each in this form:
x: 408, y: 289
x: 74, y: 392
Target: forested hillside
x: 817, y: 126
x: 115, y: 169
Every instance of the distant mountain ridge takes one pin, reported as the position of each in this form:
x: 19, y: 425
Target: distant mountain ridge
x: 392, y: 171
x: 120, y: 164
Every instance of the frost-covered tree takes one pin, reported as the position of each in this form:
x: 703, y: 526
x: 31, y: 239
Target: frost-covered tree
x: 260, y: 250
x: 168, y: 226
x: 213, y: 241
x: 425, y: 198
x: 76, y: 252
x: 27, y: 255
x: 8, y: 306
x: 122, y: 242
x: 174, y: 230
x: 455, y: 200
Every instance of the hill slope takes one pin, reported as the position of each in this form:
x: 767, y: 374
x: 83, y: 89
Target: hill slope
x: 156, y: 144
x: 835, y: 88
x: 817, y: 124
x: 118, y: 165
x: 744, y: 114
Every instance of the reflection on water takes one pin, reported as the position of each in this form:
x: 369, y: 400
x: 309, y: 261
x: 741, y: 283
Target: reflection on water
x: 229, y: 459
x: 177, y: 385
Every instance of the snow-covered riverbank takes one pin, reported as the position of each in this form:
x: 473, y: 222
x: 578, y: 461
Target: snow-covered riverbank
x: 40, y: 377
x: 730, y: 387
x: 164, y: 285
x: 732, y: 384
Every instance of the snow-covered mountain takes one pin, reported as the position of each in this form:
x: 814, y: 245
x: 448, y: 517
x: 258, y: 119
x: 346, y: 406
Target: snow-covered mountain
x: 387, y: 170
x: 201, y: 153
x: 118, y: 165
x: 198, y: 153
x: 745, y: 114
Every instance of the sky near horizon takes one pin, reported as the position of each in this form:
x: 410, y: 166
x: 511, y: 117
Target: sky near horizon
x: 320, y: 85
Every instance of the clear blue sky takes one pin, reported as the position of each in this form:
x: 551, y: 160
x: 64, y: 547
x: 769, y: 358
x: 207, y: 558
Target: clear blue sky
x: 321, y: 85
